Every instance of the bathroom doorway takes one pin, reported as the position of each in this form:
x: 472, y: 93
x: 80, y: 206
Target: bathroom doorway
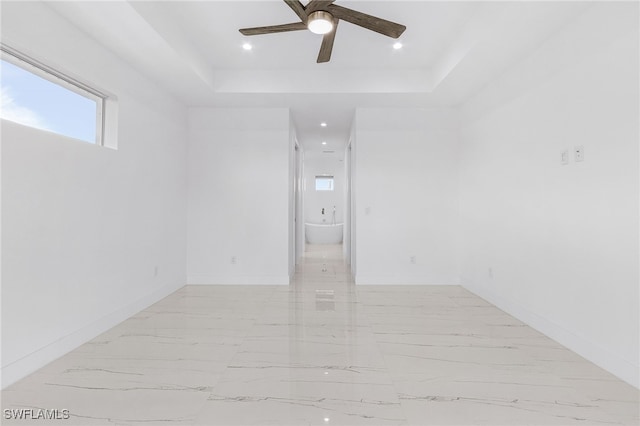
x: 326, y: 196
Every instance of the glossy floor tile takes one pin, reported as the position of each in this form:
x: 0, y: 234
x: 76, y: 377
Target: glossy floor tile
x: 324, y: 352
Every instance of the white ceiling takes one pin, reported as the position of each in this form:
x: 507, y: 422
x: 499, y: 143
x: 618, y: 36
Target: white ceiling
x: 193, y: 48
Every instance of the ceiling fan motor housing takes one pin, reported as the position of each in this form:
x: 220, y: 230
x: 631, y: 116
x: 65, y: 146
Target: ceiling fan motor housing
x: 320, y: 22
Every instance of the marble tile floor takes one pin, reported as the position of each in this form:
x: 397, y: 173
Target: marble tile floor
x: 324, y: 352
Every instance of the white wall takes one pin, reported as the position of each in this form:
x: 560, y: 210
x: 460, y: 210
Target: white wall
x: 318, y: 164
x: 239, y: 194
x: 561, y: 240
x: 406, y: 196
x: 85, y: 227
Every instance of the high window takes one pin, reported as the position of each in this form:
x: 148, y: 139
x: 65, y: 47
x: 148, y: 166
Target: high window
x: 35, y: 95
x: 324, y: 183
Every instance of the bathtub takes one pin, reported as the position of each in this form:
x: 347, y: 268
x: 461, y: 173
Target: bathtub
x: 322, y: 233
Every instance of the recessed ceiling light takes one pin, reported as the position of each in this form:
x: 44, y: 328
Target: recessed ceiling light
x: 323, y: 124
x: 324, y: 143
x: 247, y: 46
x: 326, y: 419
x: 397, y: 46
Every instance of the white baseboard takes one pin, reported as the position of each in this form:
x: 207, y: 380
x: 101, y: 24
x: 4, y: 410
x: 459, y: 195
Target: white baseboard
x: 237, y: 280
x: 21, y: 368
x: 376, y: 280
x: 600, y: 356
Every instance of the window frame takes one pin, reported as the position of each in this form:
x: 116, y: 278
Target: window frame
x: 333, y: 186
x: 59, y: 78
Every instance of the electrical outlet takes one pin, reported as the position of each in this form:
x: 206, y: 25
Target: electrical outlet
x: 564, y: 157
x: 578, y: 153
x: 412, y: 259
x: 234, y: 260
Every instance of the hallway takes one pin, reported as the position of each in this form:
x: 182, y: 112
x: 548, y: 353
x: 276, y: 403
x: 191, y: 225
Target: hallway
x: 324, y: 352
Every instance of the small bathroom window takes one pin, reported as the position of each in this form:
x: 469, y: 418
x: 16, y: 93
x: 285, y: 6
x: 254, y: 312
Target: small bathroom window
x: 324, y: 183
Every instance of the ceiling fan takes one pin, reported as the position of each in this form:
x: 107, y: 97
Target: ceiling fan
x: 322, y: 17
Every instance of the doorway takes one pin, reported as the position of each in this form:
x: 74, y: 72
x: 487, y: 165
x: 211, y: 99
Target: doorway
x: 323, y: 202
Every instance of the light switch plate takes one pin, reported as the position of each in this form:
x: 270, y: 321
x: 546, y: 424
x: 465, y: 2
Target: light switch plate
x: 564, y: 157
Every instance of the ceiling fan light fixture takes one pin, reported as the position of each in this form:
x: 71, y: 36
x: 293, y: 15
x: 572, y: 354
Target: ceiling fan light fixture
x: 323, y: 17
x: 320, y: 22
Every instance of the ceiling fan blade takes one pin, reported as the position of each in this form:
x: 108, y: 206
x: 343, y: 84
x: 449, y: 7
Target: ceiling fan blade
x: 382, y: 26
x: 297, y: 26
x: 298, y: 8
x: 317, y: 5
x: 327, y: 44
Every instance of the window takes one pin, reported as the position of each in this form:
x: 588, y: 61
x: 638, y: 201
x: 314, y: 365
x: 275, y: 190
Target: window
x: 34, y: 95
x: 324, y: 183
